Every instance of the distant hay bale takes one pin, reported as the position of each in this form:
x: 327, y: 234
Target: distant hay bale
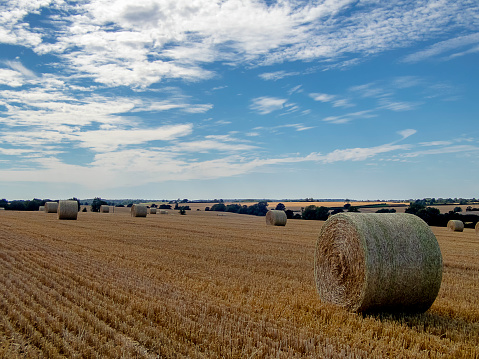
x: 41, y: 208
x: 367, y: 262
x: 68, y: 210
x: 51, y: 207
x: 163, y: 211
x: 276, y: 218
x: 139, y: 210
x: 152, y: 210
x: 477, y: 228
x: 104, y: 208
x: 2, y: 209
x: 455, y: 225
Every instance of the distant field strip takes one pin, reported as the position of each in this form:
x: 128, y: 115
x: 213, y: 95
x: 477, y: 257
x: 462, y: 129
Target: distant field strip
x: 204, y: 286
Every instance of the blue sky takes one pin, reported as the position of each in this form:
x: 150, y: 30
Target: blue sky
x: 239, y: 99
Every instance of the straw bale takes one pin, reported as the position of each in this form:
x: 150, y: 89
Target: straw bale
x: 41, y: 208
x: 67, y: 209
x: 104, y: 208
x: 455, y: 225
x: 139, y: 210
x: 369, y: 262
x: 477, y: 228
x: 163, y: 211
x: 51, y: 207
x: 152, y: 210
x: 2, y: 209
x: 276, y: 218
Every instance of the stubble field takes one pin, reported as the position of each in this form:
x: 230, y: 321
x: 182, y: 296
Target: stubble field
x: 206, y: 286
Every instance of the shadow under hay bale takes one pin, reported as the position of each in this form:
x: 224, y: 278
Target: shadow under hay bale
x: 68, y: 210
x: 51, y: 207
x: 139, y: 210
x: 370, y: 262
x: 455, y: 225
x: 276, y: 218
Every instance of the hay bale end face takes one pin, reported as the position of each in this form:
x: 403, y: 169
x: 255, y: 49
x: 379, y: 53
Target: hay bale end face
x: 41, y: 208
x: 477, y: 228
x: 369, y: 262
x: 51, y: 207
x: 276, y: 218
x: 139, y: 210
x: 152, y: 210
x: 104, y: 208
x: 68, y: 210
x: 455, y: 225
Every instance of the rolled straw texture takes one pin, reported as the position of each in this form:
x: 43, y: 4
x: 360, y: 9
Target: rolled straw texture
x: 477, y: 228
x: 41, y: 208
x: 67, y: 210
x: 369, y: 262
x: 276, y: 218
x: 163, y: 211
x: 139, y: 210
x: 455, y: 225
x: 152, y: 210
x: 51, y: 207
x: 104, y: 208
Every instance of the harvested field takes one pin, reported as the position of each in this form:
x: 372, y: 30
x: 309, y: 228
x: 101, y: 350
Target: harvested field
x: 206, y: 286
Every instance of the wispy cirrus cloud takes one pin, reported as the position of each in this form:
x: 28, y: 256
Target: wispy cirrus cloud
x: 333, y: 99
x: 265, y: 105
x: 450, y: 46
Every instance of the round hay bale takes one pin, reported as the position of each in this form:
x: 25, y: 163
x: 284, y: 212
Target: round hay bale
x: 455, y: 225
x: 276, y: 218
x: 477, y: 228
x: 152, y: 210
x: 163, y: 211
x: 104, y: 208
x: 51, y: 207
x: 139, y: 210
x: 369, y: 262
x: 41, y: 208
x: 67, y: 210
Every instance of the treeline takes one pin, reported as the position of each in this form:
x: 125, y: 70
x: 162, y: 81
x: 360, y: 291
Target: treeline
x: 433, y: 216
x: 258, y: 209
x: 28, y: 205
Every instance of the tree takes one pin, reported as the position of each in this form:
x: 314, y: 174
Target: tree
x: 258, y: 209
x: 234, y: 208
x: 280, y: 207
x: 353, y: 209
x: 457, y: 209
x: 220, y: 207
x: 415, y: 207
x: 96, y: 204
x: 289, y: 214
x: 347, y: 205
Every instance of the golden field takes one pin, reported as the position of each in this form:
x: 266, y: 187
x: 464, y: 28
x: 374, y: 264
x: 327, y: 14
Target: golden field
x: 206, y: 286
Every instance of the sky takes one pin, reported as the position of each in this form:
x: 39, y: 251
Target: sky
x: 204, y: 99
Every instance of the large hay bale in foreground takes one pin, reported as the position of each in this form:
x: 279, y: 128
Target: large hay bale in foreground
x: 67, y: 209
x: 455, y: 225
x: 276, y: 218
x: 139, y: 210
x: 378, y: 262
x: 152, y: 210
x: 104, y: 208
x: 41, y: 209
x: 51, y: 207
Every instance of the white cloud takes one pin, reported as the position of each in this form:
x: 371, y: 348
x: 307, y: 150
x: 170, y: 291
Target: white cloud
x: 277, y: 75
x: 348, y: 117
x: 436, y: 143
x: 407, y: 133
x: 356, y: 154
x: 110, y: 140
x: 446, y: 46
x: 265, y: 104
x: 337, y: 102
